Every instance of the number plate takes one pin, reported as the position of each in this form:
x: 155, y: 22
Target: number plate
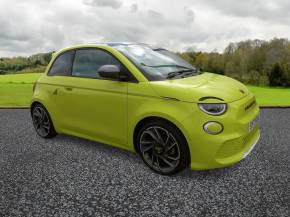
x: 253, y: 123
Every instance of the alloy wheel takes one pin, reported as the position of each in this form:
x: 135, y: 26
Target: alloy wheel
x: 41, y: 121
x: 159, y: 149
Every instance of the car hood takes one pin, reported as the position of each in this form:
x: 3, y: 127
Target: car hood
x: 201, y: 88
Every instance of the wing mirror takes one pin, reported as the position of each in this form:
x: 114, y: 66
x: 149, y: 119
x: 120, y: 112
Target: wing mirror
x: 112, y: 72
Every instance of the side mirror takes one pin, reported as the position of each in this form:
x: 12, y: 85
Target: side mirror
x: 109, y: 71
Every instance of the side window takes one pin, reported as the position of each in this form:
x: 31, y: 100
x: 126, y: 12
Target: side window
x: 63, y: 64
x: 88, y: 61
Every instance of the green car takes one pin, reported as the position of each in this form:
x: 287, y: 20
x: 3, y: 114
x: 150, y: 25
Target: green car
x: 147, y: 100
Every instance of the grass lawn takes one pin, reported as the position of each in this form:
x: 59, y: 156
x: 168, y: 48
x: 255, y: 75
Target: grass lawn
x: 16, y: 90
x: 271, y: 96
x: 15, y: 95
x: 29, y: 78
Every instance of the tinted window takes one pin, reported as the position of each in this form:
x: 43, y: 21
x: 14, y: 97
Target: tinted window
x: 88, y: 61
x: 63, y: 64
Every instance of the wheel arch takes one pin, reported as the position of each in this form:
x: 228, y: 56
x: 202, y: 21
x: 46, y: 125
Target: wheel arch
x: 34, y: 103
x: 150, y: 118
x: 51, y: 115
x: 50, y: 125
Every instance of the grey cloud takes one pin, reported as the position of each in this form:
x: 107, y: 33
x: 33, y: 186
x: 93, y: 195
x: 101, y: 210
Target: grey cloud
x: 33, y: 26
x: 134, y: 8
x: 155, y: 15
x: 21, y: 35
x: 190, y: 15
x: 12, y: 36
x: 272, y: 10
x: 115, y: 4
x: 155, y: 18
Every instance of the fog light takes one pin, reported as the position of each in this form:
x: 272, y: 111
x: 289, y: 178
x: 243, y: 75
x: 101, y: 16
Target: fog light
x: 213, y: 127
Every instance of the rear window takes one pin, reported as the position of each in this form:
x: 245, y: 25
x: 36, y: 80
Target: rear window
x: 63, y: 64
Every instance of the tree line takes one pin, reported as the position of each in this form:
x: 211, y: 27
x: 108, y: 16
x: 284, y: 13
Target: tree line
x: 255, y: 62
x: 24, y: 64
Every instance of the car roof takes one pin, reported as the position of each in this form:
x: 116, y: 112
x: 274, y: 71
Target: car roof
x: 109, y: 44
x: 122, y: 43
x: 114, y: 44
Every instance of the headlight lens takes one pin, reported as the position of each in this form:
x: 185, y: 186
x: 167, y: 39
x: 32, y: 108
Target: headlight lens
x: 213, y: 108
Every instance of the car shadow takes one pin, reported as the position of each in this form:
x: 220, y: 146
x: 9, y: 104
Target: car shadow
x: 218, y: 172
x: 134, y: 158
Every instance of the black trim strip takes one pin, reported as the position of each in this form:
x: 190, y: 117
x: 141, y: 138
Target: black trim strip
x: 209, y: 97
x: 169, y: 98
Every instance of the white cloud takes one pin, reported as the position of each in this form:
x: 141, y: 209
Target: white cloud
x: 115, y: 4
x: 33, y: 26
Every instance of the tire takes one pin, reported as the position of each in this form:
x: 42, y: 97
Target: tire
x: 163, y: 147
x: 42, y: 122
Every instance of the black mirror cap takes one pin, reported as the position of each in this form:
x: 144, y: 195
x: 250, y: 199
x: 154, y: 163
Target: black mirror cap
x: 123, y: 77
x: 109, y: 71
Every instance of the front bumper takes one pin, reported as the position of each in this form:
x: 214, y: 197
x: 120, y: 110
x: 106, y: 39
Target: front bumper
x: 234, y: 150
x: 253, y: 146
x: 233, y: 144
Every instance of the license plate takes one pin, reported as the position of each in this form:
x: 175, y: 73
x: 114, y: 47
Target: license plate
x: 253, y: 123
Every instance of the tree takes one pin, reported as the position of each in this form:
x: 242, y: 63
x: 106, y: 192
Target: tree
x: 276, y: 75
x: 200, y: 60
x: 250, y: 61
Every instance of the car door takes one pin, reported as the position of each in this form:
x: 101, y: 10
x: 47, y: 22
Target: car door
x: 91, y: 106
x: 56, y: 78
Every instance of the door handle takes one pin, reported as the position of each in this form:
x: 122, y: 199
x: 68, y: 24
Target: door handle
x: 68, y: 88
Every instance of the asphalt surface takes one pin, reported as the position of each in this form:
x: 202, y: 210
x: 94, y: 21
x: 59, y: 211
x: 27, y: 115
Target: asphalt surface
x: 68, y: 176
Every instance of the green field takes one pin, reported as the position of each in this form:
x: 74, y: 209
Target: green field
x: 16, y: 91
x: 28, y: 78
x: 271, y: 96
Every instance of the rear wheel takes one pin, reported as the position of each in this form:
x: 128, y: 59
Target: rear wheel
x: 162, y: 147
x: 42, y: 122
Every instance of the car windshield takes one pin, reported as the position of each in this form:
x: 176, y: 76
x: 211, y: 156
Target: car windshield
x: 157, y: 64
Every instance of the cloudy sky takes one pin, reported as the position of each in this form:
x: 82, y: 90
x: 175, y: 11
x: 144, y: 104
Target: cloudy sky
x: 33, y: 26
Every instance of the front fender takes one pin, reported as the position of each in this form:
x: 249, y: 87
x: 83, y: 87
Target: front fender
x: 170, y: 110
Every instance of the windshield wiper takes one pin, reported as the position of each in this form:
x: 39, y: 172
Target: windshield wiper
x: 182, y: 73
x: 169, y: 65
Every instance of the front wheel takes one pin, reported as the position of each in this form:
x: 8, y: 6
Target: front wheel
x: 162, y: 147
x: 42, y: 122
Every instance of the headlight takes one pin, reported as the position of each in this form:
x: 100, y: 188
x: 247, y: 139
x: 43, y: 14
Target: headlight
x: 213, y: 108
